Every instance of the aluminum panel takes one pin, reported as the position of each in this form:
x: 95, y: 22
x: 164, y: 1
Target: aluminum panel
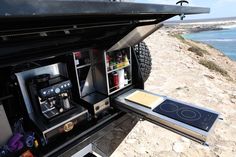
x: 135, y: 36
x: 22, y: 77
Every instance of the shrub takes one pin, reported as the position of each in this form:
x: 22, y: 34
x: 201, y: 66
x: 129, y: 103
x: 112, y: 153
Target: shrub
x: 213, y: 66
x: 198, y: 51
x: 193, y: 48
x: 180, y: 37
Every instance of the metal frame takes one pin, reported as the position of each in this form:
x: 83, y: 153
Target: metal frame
x: 89, y: 78
x: 76, y: 74
x: 88, y: 149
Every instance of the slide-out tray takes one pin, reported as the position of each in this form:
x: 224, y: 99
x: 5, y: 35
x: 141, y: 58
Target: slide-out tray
x: 169, y: 123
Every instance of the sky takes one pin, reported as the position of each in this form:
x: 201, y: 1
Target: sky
x: 219, y: 8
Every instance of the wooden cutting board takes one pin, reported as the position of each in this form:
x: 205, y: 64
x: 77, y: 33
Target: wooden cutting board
x: 145, y: 99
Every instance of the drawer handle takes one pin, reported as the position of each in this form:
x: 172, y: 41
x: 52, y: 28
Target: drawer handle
x: 68, y: 126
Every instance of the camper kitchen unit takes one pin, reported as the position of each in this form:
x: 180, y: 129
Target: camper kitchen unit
x: 69, y: 69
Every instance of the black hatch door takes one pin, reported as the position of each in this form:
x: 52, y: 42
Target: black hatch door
x: 36, y: 29
x: 184, y: 118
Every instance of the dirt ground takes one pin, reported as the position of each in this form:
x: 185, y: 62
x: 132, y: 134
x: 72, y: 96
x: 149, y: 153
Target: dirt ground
x: 177, y: 73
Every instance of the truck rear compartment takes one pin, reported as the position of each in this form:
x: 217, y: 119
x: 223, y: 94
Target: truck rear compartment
x: 66, y: 72
x: 99, y: 95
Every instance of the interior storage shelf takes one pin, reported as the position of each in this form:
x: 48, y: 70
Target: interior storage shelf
x: 82, y: 58
x: 114, y: 87
x: 83, y: 66
x: 118, y: 70
x: 114, y: 91
x: 114, y: 70
x: 111, y: 70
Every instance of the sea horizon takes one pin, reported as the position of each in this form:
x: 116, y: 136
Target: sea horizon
x: 189, y: 21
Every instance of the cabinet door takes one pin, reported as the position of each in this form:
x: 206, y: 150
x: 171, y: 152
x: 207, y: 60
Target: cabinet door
x: 186, y: 119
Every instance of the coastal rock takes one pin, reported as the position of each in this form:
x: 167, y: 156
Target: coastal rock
x: 233, y: 101
x: 209, y: 76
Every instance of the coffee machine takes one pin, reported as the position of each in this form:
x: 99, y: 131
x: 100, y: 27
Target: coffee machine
x: 49, y: 103
x: 51, y: 97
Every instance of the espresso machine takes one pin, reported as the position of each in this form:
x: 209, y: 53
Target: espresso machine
x: 51, y: 96
x: 47, y: 95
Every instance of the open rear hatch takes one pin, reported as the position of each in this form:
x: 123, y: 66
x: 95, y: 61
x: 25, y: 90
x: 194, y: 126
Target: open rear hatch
x: 186, y: 119
x: 36, y: 29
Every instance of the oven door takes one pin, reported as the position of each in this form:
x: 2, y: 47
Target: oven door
x: 169, y: 121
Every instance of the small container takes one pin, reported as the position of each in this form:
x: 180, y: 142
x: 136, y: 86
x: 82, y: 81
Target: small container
x: 66, y: 103
x: 76, y: 61
x: 111, y: 66
x: 108, y: 59
x: 121, y: 76
x: 126, y: 60
x: 126, y: 78
x: 116, y: 80
x: 115, y: 66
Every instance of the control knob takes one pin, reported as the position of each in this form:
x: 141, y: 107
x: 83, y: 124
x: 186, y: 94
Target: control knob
x: 57, y: 90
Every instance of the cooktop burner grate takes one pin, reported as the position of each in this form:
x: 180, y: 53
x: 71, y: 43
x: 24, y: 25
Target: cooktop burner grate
x: 192, y: 116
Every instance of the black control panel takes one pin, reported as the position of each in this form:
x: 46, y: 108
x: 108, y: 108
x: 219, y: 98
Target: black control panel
x: 55, y: 89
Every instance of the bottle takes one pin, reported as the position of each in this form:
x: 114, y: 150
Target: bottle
x: 121, y: 75
x: 126, y: 60
x: 112, y: 65
x: 119, y: 59
x: 116, y: 80
x: 126, y: 78
x: 108, y: 58
x: 110, y: 78
x: 124, y: 55
x: 77, y: 57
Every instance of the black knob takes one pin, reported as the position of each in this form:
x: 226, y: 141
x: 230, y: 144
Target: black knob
x: 106, y: 103
x: 42, y: 81
x: 97, y: 108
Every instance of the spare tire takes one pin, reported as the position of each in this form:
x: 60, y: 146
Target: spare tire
x: 144, y: 59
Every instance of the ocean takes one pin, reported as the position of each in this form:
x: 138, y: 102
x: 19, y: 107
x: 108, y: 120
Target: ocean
x: 223, y: 40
